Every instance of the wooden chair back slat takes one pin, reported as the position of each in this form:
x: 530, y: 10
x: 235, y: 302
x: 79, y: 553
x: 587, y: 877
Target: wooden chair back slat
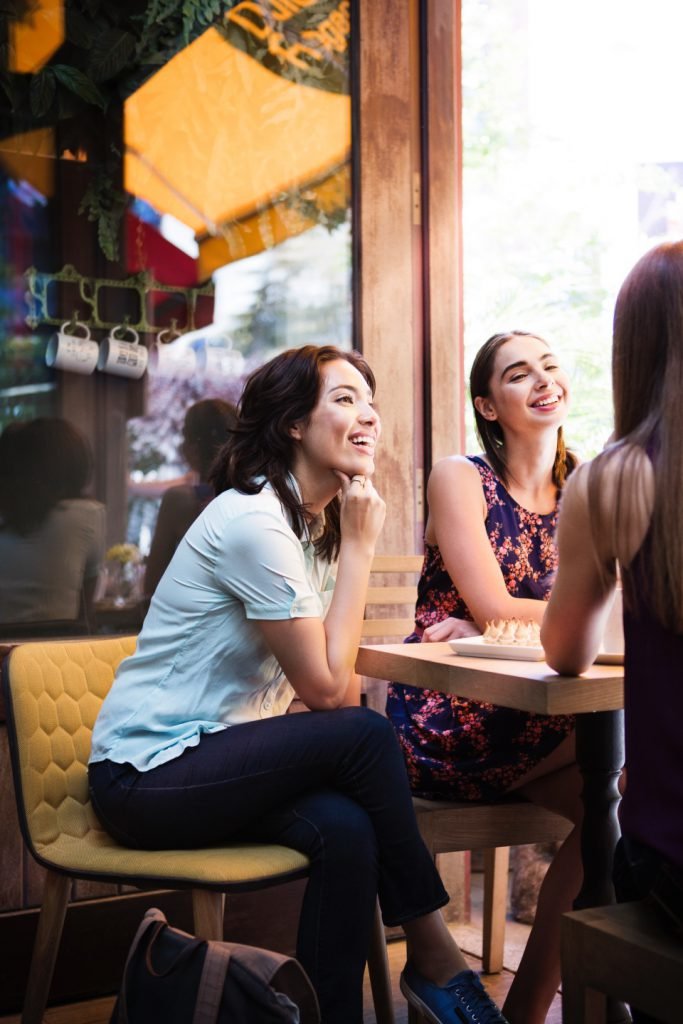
x: 390, y: 604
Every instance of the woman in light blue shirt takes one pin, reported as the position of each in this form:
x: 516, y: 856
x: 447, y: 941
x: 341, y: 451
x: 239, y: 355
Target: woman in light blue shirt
x: 192, y: 745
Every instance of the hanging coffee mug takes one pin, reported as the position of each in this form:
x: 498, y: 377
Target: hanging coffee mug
x: 70, y: 351
x: 121, y: 357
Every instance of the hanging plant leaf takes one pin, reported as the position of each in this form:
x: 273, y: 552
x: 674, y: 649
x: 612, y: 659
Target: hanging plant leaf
x: 206, y: 13
x: 105, y: 203
x: 42, y: 92
x: 78, y: 83
x: 110, y: 53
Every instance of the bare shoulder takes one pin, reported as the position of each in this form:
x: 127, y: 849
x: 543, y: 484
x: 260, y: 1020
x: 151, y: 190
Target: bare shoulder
x: 455, y: 495
x: 454, y: 469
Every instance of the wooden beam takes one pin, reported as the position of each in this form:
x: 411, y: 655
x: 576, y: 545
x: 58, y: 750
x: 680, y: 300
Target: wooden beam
x: 442, y: 161
x: 388, y: 278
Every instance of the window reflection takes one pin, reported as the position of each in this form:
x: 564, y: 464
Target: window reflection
x: 185, y: 179
x: 51, y: 532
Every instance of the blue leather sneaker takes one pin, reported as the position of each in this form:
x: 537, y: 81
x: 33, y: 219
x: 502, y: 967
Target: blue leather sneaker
x: 462, y: 1001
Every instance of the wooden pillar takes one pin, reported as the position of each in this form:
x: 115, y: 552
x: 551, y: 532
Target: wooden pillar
x: 387, y: 258
x: 442, y: 176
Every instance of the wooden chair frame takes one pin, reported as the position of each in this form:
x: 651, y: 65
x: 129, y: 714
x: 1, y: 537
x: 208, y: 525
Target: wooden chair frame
x: 53, y: 691
x: 454, y: 827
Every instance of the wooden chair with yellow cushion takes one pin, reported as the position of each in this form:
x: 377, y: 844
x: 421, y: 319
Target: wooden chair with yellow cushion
x: 456, y: 827
x: 53, y: 692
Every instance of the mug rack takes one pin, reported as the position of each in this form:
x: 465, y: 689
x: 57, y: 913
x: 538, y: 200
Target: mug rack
x: 89, y: 288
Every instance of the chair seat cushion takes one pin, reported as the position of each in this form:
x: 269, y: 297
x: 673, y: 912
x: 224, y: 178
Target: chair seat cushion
x: 97, y: 854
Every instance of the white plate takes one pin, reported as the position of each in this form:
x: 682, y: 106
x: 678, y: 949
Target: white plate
x: 607, y: 658
x: 476, y: 647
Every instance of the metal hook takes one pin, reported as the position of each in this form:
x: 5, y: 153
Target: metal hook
x: 169, y: 334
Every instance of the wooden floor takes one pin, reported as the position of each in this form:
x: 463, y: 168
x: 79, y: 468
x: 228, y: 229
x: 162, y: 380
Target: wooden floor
x: 468, y: 937
x: 98, y: 1011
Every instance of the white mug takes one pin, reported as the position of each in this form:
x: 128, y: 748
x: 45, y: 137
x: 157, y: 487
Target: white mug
x: 613, y: 635
x: 121, y: 357
x: 69, y: 351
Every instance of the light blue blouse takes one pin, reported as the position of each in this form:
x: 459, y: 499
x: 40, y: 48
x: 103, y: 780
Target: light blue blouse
x: 200, y: 664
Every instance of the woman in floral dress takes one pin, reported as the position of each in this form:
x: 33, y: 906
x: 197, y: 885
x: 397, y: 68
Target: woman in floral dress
x: 490, y: 554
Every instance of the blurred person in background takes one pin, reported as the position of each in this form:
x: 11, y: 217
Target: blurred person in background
x: 51, y: 534
x: 206, y: 428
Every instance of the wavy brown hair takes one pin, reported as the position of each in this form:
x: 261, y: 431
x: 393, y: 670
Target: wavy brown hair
x: 278, y: 395
x: 490, y: 432
x: 647, y: 381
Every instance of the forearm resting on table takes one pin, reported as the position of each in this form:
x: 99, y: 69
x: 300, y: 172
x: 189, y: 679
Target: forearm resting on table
x: 453, y: 629
x: 525, y: 609
x: 571, y: 637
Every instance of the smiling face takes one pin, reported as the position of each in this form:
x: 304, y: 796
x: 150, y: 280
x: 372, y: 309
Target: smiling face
x: 528, y: 389
x: 340, y: 433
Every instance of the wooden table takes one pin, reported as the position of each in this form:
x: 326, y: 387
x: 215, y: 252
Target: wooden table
x: 596, y: 698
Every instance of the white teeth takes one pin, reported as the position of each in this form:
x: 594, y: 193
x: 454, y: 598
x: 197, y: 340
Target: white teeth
x: 547, y: 401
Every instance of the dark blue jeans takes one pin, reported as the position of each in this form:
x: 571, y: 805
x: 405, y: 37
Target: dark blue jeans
x: 331, y: 784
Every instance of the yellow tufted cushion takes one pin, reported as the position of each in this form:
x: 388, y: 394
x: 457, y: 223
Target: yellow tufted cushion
x: 56, y: 689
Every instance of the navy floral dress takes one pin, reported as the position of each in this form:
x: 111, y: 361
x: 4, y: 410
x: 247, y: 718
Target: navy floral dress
x: 458, y: 749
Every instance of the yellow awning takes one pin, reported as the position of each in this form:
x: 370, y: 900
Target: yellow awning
x: 239, y: 154
x: 35, y: 37
x: 242, y: 155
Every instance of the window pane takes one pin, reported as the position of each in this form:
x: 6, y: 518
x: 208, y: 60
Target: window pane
x: 573, y: 169
x: 178, y: 194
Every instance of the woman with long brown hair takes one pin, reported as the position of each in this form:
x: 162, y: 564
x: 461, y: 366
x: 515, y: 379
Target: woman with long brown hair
x: 624, y: 509
x: 263, y: 599
x: 490, y: 555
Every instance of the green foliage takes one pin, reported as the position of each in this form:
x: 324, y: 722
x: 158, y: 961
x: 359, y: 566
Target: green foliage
x: 77, y: 82
x: 105, y: 203
x: 110, y: 53
x: 168, y: 25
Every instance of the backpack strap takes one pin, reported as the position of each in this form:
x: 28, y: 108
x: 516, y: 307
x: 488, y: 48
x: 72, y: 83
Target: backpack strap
x: 154, y: 918
x: 211, y: 983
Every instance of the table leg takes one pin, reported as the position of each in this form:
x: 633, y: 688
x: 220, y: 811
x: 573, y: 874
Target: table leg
x: 600, y: 756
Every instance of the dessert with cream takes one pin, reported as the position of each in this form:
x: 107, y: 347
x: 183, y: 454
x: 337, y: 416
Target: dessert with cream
x: 512, y: 631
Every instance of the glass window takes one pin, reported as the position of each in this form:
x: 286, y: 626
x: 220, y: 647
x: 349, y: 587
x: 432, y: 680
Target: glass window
x: 175, y: 185
x: 573, y: 167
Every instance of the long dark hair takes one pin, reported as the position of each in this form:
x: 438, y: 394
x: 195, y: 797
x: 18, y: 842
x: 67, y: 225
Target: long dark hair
x: 647, y: 381
x: 490, y: 432
x: 278, y: 395
x: 42, y: 462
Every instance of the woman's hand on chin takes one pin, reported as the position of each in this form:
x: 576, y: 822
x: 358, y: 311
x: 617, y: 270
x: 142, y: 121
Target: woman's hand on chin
x: 449, y: 629
x: 362, y: 511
